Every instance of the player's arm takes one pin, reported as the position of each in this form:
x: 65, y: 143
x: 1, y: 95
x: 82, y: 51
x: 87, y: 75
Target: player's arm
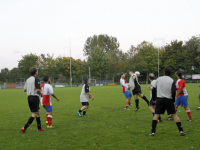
x: 134, y: 77
x: 173, y: 90
x: 25, y: 87
x: 52, y: 93
x: 87, y: 91
x: 37, y: 87
x: 149, y: 88
x: 154, y: 95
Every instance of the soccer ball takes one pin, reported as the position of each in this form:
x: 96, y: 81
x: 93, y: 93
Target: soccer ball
x: 137, y: 73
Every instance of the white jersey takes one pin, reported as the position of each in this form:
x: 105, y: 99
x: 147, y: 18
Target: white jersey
x: 84, y: 97
x: 133, y: 83
x: 47, y: 91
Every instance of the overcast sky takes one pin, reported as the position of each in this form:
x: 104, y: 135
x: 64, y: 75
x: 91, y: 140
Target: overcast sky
x: 45, y: 26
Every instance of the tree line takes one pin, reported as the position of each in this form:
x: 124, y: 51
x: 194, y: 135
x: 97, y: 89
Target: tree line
x: 107, y: 61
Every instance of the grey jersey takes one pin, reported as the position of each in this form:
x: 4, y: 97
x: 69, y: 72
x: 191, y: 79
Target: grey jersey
x: 133, y: 83
x: 84, y: 97
x: 165, y: 85
x: 32, y: 83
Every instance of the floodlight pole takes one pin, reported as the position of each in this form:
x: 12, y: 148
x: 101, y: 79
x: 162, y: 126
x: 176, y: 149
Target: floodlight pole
x: 89, y: 74
x: 70, y: 64
x: 158, y: 62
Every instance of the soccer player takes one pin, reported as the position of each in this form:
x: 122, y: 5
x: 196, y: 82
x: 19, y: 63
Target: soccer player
x: 32, y: 89
x: 152, y: 102
x: 136, y: 89
x: 125, y: 90
x: 199, y: 101
x: 47, y: 91
x: 166, y: 90
x: 84, y: 98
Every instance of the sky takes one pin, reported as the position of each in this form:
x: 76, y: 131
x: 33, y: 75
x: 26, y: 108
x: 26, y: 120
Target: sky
x: 47, y: 26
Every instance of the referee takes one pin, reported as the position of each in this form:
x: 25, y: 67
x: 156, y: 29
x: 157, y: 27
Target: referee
x: 166, y: 90
x: 32, y: 89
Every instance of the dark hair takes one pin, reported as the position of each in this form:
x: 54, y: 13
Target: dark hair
x: 85, y: 81
x: 179, y: 74
x: 33, y: 71
x: 46, y: 78
x: 151, y: 76
x: 167, y: 71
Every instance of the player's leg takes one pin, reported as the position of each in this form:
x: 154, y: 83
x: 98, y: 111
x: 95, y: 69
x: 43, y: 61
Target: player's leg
x: 199, y: 103
x: 127, y: 95
x: 84, y: 111
x: 130, y: 95
x: 49, y: 117
x: 188, y: 111
x: 136, y: 101
x: 144, y: 98
x: 83, y: 108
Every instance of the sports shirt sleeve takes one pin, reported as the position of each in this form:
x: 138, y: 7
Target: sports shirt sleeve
x: 87, y: 89
x: 25, y: 86
x: 180, y: 85
x: 37, y: 83
x: 51, y: 90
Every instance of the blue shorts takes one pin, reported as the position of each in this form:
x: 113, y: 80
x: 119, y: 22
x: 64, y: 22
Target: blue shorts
x: 199, y: 94
x: 182, y: 100
x: 48, y: 108
x: 127, y: 94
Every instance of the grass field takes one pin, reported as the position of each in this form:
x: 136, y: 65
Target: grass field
x: 107, y: 127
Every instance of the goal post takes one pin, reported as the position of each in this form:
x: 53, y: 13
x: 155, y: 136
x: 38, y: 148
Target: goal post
x: 92, y: 82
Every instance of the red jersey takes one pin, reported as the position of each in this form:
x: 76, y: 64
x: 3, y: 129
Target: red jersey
x: 180, y: 85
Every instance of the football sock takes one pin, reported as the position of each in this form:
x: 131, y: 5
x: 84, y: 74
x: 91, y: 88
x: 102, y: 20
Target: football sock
x: 153, y: 114
x: 153, y: 127
x: 49, y: 120
x: 30, y: 120
x: 137, y: 102
x: 129, y: 102
x: 38, y: 122
x: 180, y: 128
x: 126, y: 106
x: 46, y: 116
x: 146, y: 100
x: 189, y: 113
x: 80, y: 111
x: 84, y: 112
x: 159, y: 118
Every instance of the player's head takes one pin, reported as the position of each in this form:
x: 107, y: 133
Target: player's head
x: 123, y: 75
x: 167, y: 71
x: 86, y: 81
x: 151, y: 76
x: 179, y: 74
x: 33, y: 71
x: 46, y: 79
x: 131, y: 72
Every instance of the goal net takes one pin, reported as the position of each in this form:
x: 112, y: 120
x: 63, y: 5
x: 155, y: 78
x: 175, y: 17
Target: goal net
x: 92, y: 82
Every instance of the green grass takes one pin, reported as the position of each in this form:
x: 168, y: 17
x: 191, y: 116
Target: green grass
x: 107, y: 127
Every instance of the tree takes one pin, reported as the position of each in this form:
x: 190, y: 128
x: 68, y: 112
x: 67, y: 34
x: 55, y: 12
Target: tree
x: 27, y: 61
x: 4, y: 75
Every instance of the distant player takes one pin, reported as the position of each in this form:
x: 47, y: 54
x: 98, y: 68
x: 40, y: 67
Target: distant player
x: 199, y: 101
x: 84, y: 98
x: 47, y: 91
x: 181, y: 95
x: 125, y: 90
x: 136, y: 89
x: 152, y: 102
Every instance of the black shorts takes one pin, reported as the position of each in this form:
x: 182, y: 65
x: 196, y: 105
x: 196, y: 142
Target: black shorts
x: 33, y: 102
x: 137, y: 91
x: 151, y: 103
x: 85, y: 103
x: 163, y: 104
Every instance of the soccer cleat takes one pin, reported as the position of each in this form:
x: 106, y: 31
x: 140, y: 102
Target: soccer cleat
x: 127, y: 109
x: 50, y: 127
x: 23, y: 130
x: 152, y: 134
x: 46, y: 122
x: 182, y: 133
x: 41, y: 129
x: 137, y: 108
x: 169, y: 118
x: 84, y: 115
x: 189, y: 120
x: 79, y: 114
x: 198, y: 108
x: 130, y: 104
